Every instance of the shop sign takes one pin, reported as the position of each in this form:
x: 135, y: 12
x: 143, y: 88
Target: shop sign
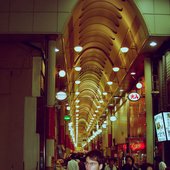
x: 133, y: 96
x: 137, y: 146
x: 67, y: 117
x: 124, y: 147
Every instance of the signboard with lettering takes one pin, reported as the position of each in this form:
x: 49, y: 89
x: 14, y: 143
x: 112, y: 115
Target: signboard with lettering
x: 160, y: 128
x: 166, y: 116
x: 133, y: 96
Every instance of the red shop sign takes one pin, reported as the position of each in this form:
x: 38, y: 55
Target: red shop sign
x: 137, y: 146
x: 134, y: 96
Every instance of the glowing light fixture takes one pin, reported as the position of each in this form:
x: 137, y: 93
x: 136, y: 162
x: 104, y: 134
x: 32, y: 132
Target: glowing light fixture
x: 116, y: 69
x: 132, y: 73
x: 77, y: 68
x: 124, y: 49
x: 61, y: 95
x: 78, y: 48
x: 153, y: 44
x: 77, y: 93
x: 56, y: 50
x: 139, y: 85
x: 101, y: 101
x: 104, y: 93
x: 68, y: 107
x: 109, y: 83
x: 67, y: 118
x: 113, y: 118
x: 77, y: 101
x: 77, y: 81
x: 62, y: 73
x: 104, y: 125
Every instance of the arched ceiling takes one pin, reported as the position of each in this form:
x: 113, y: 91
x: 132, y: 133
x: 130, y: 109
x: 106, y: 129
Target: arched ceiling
x: 101, y: 28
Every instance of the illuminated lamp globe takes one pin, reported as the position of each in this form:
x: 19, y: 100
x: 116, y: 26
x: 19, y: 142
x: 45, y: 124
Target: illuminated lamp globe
x: 139, y: 85
x: 56, y: 50
x: 124, y: 49
x: 77, y: 68
x: 113, y: 118
x: 132, y: 73
x: 77, y: 93
x: 68, y: 107
x: 104, y: 125
x: 61, y: 95
x: 78, y: 48
x: 62, y: 73
x: 116, y: 69
x: 77, y: 81
x: 153, y: 44
x: 104, y: 93
x: 109, y: 83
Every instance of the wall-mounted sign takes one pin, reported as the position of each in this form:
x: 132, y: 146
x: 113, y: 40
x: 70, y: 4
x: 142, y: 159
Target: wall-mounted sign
x: 166, y: 116
x: 137, y: 146
x: 133, y: 96
x: 67, y: 117
x: 160, y: 127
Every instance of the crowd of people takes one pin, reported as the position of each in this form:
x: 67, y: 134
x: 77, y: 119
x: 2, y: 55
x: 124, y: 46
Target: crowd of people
x: 94, y: 160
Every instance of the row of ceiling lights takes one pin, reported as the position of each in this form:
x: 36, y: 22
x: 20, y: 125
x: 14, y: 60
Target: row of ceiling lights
x: 62, y: 95
x: 78, y: 49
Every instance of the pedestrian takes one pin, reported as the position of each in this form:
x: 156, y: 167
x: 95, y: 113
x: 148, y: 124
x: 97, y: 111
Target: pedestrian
x: 129, y: 161
x: 111, y: 164
x: 73, y: 164
x: 159, y: 163
x: 94, y: 160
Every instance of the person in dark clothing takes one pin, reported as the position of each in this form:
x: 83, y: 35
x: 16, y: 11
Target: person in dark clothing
x: 146, y: 166
x: 129, y: 161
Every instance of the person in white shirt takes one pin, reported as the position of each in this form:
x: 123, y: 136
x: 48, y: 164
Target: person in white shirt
x: 73, y: 164
x: 111, y: 164
x: 160, y: 164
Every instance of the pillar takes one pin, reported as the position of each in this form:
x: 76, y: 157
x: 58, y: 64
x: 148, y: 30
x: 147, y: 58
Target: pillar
x: 109, y: 133
x: 104, y: 141
x: 62, y: 126
x: 50, y: 105
x: 149, y: 110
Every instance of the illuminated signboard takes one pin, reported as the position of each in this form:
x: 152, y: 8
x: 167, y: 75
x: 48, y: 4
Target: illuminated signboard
x: 137, y: 146
x: 134, y: 96
x: 166, y: 116
x: 160, y: 128
x: 67, y: 117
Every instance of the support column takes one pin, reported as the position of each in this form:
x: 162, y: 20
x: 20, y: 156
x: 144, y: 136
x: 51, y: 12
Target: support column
x: 50, y: 105
x: 104, y: 141
x: 149, y: 111
x: 62, y: 126
x: 109, y: 129
x: 109, y: 133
